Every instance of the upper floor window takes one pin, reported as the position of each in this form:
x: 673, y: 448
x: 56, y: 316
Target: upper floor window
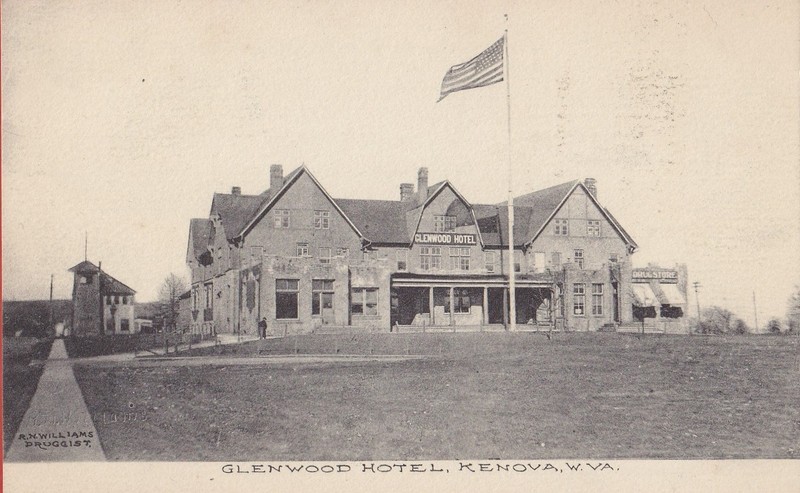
x: 538, y: 262
x: 578, y: 257
x: 430, y: 258
x: 593, y: 228
x: 322, y: 219
x: 402, y: 259
x: 302, y: 249
x: 342, y: 252
x: 282, y: 218
x: 489, y: 259
x: 444, y: 223
x: 325, y: 255
x: 209, y: 295
x: 561, y: 227
x: 459, y: 258
x: 256, y: 252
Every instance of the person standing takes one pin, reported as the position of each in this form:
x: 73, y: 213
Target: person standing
x: 262, y: 328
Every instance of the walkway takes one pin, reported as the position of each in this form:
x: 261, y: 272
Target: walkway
x: 57, y: 425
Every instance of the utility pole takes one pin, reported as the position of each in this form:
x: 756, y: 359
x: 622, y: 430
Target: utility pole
x: 697, y: 298
x: 755, y: 312
x: 51, y: 304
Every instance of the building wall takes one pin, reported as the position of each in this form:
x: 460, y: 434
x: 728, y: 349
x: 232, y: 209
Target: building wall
x: 86, y: 305
x: 301, y: 200
x: 115, y: 311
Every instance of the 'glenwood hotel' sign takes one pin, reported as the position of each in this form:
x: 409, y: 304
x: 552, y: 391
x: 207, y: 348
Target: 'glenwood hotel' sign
x: 445, y: 239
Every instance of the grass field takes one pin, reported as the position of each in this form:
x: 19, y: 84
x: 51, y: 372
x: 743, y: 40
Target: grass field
x: 20, y: 380
x: 478, y: 396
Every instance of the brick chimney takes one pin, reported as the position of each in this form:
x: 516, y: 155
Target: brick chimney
x: 591, y: 185
x: 422, y: 185
x: 275, y: 177
x: 236, y: 191
x: 406, y: 192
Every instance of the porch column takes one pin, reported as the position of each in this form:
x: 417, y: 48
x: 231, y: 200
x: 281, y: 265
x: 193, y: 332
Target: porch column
x: 485, y: 318
x: 451, y: 305
x: 505, y: 308
x: 430, y: 303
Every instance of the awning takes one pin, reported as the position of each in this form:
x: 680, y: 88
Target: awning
x: 672, y: 295
x: 643, y: 295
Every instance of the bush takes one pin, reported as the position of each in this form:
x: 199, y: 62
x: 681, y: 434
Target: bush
x: 774, y: 326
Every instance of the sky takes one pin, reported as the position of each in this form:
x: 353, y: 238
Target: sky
x: 121, y: 119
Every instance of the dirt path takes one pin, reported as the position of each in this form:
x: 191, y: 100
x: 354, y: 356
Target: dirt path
x: 57, y: 425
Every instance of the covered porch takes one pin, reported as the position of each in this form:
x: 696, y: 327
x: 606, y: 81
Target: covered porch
x: 448, y: 301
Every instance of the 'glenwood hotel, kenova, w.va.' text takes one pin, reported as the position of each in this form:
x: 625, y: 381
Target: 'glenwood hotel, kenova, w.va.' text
x: 303, y: 259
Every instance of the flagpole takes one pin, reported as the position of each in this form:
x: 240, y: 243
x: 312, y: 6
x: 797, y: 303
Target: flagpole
x: 512, y: 295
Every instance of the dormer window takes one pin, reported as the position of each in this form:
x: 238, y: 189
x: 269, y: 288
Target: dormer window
x: 444, y: 223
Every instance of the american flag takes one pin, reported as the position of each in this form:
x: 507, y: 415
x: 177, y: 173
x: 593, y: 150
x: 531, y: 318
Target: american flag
x: 483, y: 70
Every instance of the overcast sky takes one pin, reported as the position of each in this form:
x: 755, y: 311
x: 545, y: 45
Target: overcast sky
x: 122, y: 118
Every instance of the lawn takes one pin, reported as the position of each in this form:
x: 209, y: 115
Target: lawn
x: 20, y: 380
x: 478, y: 396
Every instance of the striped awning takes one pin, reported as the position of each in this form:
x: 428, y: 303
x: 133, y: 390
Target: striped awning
x: 643, y: 295
x: 672, y: 295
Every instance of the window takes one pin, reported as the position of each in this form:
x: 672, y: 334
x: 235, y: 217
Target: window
x: 517, y: 267
x: 489, y: 259
x: 124, y: 300
x: 108, y: 300
x: 286, y: 291
x: 597, y: 299
x: 195, y: 297
x: 209, y: 298
x: 444, y: 223
x: 578, y: 257
x: 461, y: 301
x: 364, y: 301
x: 325, y: 255
x: 116, y: 300
x: 402, y: 259
x: 556, y: 259
x: 430, y: 258
x: 321, y: 295
x: 125, y: 325
x: 256, y: 252
x: 342, y: 252
x: 281, y: 218
x: 561, y: 227
x: 302, y: 249
x: 538, y: 262
x: 593, y: 228
x: 459, y: 258
x: 321, y: 219
x: 578, y: 299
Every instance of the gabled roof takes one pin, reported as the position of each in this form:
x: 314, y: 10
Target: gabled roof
x: 274, y: 195
x: 109, y: 284
x: 381, y: 221
x: 235, y: 210
x: 493, y: 223
x: 199, y: 236
x: 433, y: 192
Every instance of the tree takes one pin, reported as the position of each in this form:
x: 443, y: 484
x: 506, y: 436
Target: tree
x: 171, y: 289
x: 740, y: 327
x: 774, y: 326
x: 793, y: 311
x: 717, y: 320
